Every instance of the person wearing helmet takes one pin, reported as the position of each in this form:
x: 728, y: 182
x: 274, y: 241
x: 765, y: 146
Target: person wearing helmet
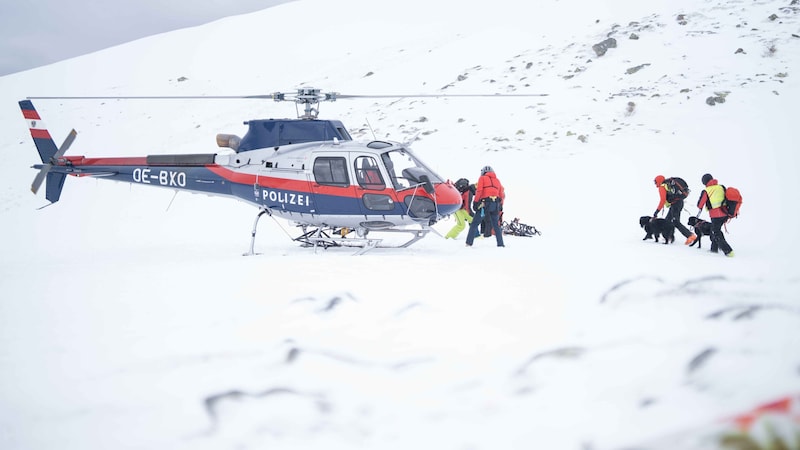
x: 463, y: 215
x: 489, y: 197
x: 674, y: 203
x: 711, y: 198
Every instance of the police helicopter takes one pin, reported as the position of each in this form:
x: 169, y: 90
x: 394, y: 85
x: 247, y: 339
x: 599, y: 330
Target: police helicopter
x: 307, y: 170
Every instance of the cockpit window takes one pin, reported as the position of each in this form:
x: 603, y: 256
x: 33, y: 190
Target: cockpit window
x: 405, y: 170
x: 368, y: 174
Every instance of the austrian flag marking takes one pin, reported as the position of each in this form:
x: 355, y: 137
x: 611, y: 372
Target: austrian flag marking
x: 35, y: 124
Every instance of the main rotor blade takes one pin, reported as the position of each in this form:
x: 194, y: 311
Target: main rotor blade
x: 274, y: 96
x: 437, y: 95
x: 156, y: 97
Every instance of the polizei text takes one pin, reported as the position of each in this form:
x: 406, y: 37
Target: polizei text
x: 285, y: 197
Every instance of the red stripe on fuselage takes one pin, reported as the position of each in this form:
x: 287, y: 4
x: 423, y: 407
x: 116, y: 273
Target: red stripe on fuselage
x: 31, y: 114
x: 263, y: 181
x: 294, y: 185
x: 235, y: 177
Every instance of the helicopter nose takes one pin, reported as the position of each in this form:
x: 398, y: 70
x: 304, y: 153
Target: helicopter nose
x: 448, y: 198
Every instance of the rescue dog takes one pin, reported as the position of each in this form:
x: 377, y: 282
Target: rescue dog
x: 701, y: 228
x: 656, y: 228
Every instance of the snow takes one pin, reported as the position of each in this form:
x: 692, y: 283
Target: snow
x: 129, y: 318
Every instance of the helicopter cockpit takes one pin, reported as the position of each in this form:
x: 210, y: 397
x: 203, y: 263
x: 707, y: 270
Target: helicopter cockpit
x: 412, y: 172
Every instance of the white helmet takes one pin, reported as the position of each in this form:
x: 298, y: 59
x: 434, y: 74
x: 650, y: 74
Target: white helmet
x: 486, y: 169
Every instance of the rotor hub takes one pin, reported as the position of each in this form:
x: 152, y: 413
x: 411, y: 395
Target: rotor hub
x: 309, y: 98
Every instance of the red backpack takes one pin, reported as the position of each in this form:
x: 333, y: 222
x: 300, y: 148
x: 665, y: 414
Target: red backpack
x: 733, y: 201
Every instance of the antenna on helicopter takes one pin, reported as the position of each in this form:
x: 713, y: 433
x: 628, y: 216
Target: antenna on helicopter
x: 375, y: 138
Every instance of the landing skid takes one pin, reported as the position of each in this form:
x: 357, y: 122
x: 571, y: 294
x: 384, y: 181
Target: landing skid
x: 326, y: 237
x: 335, y: 237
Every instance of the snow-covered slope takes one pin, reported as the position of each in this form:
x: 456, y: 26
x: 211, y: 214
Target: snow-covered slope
x: 129, y: 320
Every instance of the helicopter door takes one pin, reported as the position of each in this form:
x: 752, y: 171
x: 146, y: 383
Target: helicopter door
x: 371, y: 186
x: 334, y: 193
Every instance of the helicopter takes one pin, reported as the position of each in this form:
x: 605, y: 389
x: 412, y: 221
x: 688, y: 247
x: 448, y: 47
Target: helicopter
x: 307, y: 170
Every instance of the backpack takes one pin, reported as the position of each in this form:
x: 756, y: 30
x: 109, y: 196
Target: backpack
x: 462, y: 184
x: 732, y: 202
x: 676, y: 189
x: 516, y: 228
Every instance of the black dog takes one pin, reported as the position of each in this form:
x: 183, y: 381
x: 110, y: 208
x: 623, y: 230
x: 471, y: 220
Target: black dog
x: 701, y: 228
x: 657, y: 227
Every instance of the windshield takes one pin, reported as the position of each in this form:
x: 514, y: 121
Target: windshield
x: 405, y: 170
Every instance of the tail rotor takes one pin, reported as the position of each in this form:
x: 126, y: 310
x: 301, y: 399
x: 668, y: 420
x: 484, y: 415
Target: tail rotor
x: 44, y: 171
x: 48, y: 153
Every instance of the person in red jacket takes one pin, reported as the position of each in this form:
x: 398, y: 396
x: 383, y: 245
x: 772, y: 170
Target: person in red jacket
x: 489, y: 197
x: 711, y: 198
x: 674, y: 205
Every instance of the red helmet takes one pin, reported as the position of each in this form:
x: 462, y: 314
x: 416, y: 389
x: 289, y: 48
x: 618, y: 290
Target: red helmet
x: 659, y: 179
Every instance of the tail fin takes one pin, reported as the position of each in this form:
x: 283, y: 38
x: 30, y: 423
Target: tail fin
x: 41, y: 137
x: 48, y: 152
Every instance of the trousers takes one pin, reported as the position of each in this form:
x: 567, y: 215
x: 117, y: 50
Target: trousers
x: 462, y: 216
x: 718, y: 241
x: 491, y: 209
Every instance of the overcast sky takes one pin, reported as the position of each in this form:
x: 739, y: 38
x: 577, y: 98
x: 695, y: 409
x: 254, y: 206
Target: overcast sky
x: 37, y: 33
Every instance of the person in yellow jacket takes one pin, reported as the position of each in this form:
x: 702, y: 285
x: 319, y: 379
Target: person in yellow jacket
x: 711, y: 198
